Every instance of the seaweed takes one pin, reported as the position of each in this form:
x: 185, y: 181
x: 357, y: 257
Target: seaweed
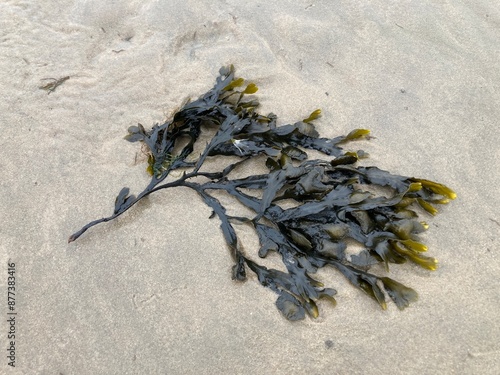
x: 54, y: 84
x: 307, y: 211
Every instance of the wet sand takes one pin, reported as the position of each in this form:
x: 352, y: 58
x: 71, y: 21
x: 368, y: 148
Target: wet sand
x: 152, y: 292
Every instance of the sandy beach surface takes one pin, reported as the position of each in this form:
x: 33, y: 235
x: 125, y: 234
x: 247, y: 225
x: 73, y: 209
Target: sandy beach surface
x: 151, y: 293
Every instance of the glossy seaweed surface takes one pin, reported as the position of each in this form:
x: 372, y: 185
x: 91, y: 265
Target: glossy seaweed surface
x: 307, y: 211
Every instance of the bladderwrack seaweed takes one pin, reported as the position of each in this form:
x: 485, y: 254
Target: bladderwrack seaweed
x: 308, y: 212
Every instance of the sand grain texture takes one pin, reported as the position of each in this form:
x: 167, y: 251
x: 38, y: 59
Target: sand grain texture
x: 151, y: 292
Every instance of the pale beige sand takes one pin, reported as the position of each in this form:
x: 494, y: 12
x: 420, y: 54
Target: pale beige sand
x: 151, y: 293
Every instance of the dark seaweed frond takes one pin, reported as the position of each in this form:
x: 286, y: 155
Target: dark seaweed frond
x: 334, y: 202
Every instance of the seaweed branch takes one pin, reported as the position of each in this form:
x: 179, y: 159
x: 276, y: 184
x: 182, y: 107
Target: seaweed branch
x: 332, y: 201
x: 53, y: 84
